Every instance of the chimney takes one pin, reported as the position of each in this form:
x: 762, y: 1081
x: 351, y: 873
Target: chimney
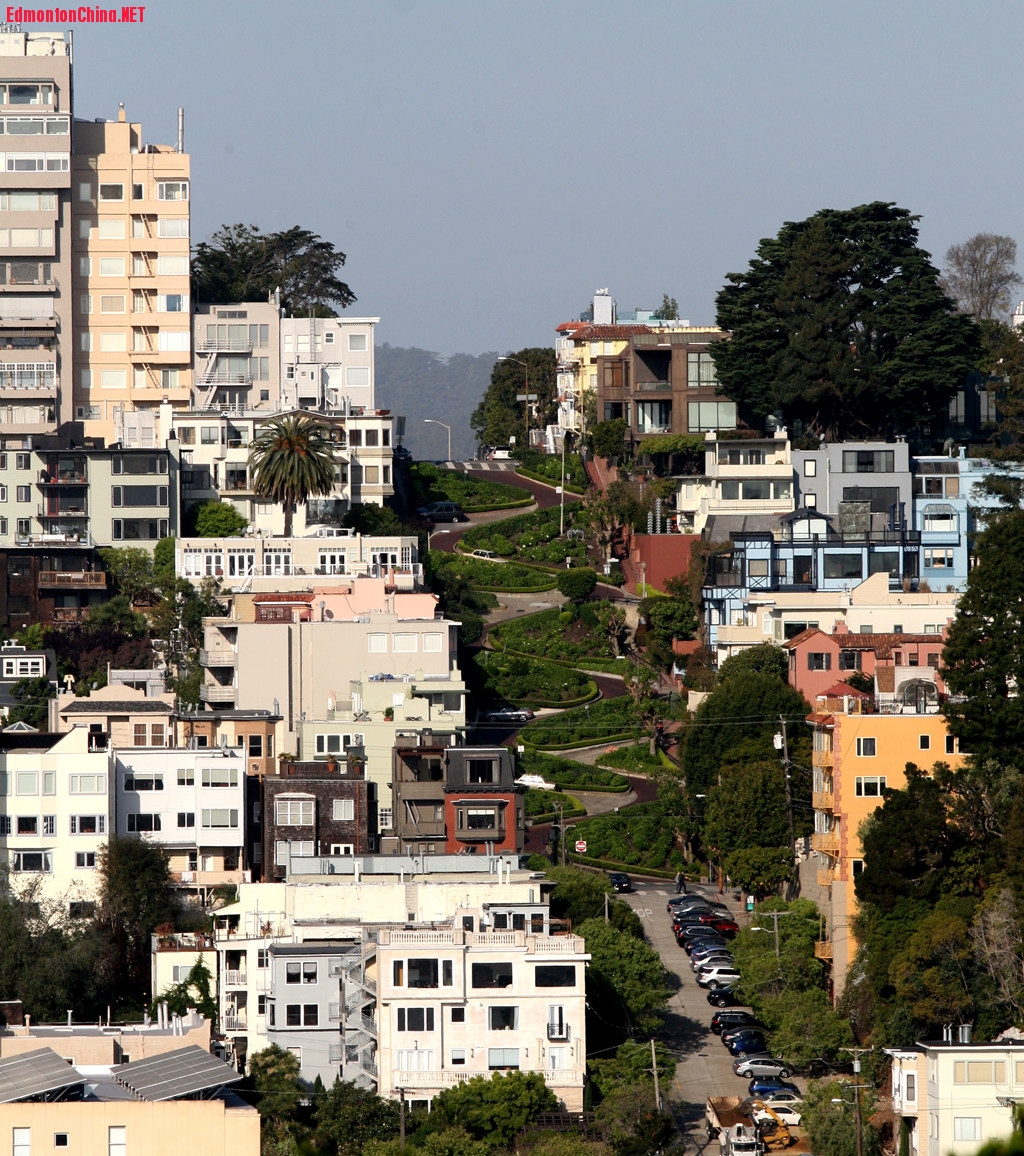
x: 181, y: 130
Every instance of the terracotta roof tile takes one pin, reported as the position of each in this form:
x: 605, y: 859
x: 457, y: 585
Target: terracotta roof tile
x: 610, y: 332
x: 803, y: 636
x: 885, y: 679
x: 843, y: 690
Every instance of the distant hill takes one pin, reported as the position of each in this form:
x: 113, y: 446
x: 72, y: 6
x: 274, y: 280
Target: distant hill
x: 416, y: 384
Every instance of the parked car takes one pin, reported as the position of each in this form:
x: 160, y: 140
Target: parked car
x: 755, y: 1045
x: 508, y: 714
x: 789, y: 1116
x: 620, y: 881
x: 681, y: 902
x: 760, y: 1066
x: 442, y: 512
x: 702, y: 951
x: 487, y: 555
x: 726, y: 927
x: 720, y: 975
x: 765, y: 1085
x: 711, y: 959
x: 724, y: 997
x: 781, y: 1098
x: 704, y: 938
x: 721, y: 1021
x: 536, y: 782
x: 402, y: 454
x: 736, y: 1032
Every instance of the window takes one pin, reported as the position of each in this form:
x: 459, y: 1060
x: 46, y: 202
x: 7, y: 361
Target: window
x: 356, y: 342
x: 32, y: 861
x: 849, y: 660
x: 481, y: 770
x: 186, y: 819
x: 295, y: 812
x: 172, y: 266
x: 951, y: 745
x: 220, y: 776
x: 866, y: 748
x: 422, y: 973
x: 357, y: 375
x: 938, y: 559
x: 143, y: 822
x: 711, y: 415
x: 60, y: 1139
x: 478, y: 818
x: 27, y: 783
x: 377, y: 643
x: 870, y: 786
x: 87, y: 784
x: 172, y: 303
x: 405, y: 643
x: 344, y: 810
x: 186, y: 777
x: 817, y: 660
x: 415, y: 1019
x: 172, y: 227
x: 22, y: 1142
x: 844, y: 566
x: 152, y: 781
x: 555, y: 975
x: 262, y: 958
x: 924, y: 742
x: 111, y: 192
x: 964, y: 1128
x: 28, y: 825
x: 503, y: 1059
x: 910, y: 1087
x: 111, y: 266
x: 220, y: 817
x: 867, y: 461
x: 24, y: 493
x: 172, y: 190
x: 492, y: 975
x: 458, y: 1057
x: 112, y: 303
x: 88, y: 824
x: 503, y: 1019
x: 458, y: 1015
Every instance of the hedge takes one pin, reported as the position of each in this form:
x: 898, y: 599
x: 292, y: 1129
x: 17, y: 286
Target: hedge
x: 498, y: 577
x: 572, y: 809
x: 569, y: 775
x: 543, y: 634
x: 548, y: 468
x: 535, y: 477
x: 610, y: 720
x: 432, y: 484
x: 531, y: 681
x: 585, y: 665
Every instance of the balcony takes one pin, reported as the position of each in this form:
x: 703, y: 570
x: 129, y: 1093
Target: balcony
x: 211, y: 692
x: 826, y: 841
x: 72, y: 579
x: 558, y: 1031
x: 223, y: 345
x: 27, y: 275
x: 822, y: 758
x: 233, y: 1022
x: 75, y: 511
x: 823, y: 949
x: 64, y: 615
x: 823, y: 800
x: 208, y: 878
x: 217, y: 658
x: 235, y: 978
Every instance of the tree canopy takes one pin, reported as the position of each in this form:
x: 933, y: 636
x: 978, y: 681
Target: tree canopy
x: 241, y: 263
x: 980, y: 274
x: 219, y: 520
x: 983, y: 659
x: 291, y: 461
x: 500, y: 416
x: 495, y: 1109
x: 841, y: 324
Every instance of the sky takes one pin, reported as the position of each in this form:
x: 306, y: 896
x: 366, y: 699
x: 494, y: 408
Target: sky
x: 487, y: 164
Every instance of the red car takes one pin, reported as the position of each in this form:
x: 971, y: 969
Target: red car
x: 726, y: 927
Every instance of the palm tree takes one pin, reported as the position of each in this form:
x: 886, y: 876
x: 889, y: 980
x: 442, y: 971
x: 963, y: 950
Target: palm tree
x: 291, y: 460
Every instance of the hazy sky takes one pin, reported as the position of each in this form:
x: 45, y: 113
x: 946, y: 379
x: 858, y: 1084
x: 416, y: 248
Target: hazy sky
x: 487, y: 164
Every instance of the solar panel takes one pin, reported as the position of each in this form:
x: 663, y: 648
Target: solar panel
x: 175, y: 1075
x: 35, y: 1073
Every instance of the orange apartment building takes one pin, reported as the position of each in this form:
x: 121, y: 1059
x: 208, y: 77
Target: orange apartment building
x: 862, y: 744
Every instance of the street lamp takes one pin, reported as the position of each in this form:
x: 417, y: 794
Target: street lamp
x: 526, y: 396
x: 434, y: 421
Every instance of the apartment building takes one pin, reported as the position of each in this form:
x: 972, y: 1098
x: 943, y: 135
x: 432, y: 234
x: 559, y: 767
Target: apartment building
x: 270, y: 564
x: 380, y: 715
x: 315, y: 808
x: 18, y: 662
x: 955, y: 1095
x: 190, y: 802
x: 130, y: 266
x: 304, y: 651
x: 454, y: 1004
x: 329, y: 899
x: 454, y: 800
x: 145, y: 1106
x: 862, y: 744
x: 115, y: 716
x: 36, y: 295
x: 101, y: 1045
x: 57, y: 812
x: 238, y: 357
x: 327, y: 364
x: 174, y: 954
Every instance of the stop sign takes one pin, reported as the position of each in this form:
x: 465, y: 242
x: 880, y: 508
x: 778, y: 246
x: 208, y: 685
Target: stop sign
x: 581, y: 845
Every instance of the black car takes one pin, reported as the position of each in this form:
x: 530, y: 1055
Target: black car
x: 722, y: 1021
x: 702, y: 940
x: 725, y: 997
x: 620, y: 881
x: 442, y: 512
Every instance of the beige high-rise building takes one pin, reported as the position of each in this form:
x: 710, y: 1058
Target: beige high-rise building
x: 35, y: 263
x: 130, y: 275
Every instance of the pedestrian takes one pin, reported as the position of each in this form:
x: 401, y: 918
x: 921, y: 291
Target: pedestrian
x: 680, y: 882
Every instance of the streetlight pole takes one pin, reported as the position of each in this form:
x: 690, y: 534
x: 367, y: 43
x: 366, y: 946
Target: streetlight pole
x: 434, y: 421
x: 526, y: 372
x: 561, y: 508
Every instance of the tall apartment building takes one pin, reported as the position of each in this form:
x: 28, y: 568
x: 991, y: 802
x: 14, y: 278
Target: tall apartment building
x: 36, y: 292
x: 130, y: 265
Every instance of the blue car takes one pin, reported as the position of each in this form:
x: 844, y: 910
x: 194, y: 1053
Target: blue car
x: 763, y: 1086
x: 755, y: 1045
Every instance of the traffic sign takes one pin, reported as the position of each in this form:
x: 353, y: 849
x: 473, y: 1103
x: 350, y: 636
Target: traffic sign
x: 581, y: 846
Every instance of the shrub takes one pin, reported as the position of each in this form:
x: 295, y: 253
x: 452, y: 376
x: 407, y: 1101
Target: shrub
x: 632, y: 758
x: 570, y: 776
x: 594, y: 723
x: 432, y: 484
x: 577, y: 584
x: 485, y: 575
x: 561, y: 636
x: 529, y: 538
x: 528, y: 680
x: 549, y: 467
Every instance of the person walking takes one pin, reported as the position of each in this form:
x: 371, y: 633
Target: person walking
x: 680, y: 883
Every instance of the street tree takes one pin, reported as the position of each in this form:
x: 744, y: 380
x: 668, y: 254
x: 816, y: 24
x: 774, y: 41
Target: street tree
x: 274, y: 1073
x: 841, y: 324
x: 494, y: 1109
x: 746, y: 808
x: 577, y: 584
x: 668, y: 310
x: 292, y: 460
x: 501, y: 416
x: 830, y: 1119
x: 219, y: 520
x: 348, y: 1116
x: 609, y: 438
x: 241, y: 263
x: 760, y: 871
x: 625, y: 978
x: 983, y: 659
x: 979, y: 275
x: 131, y: 571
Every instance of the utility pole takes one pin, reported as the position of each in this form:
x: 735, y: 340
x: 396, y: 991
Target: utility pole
x: 857, y: 1053
x: 775, y: 916
x: 789, y: 786
x: 401, y: 1120
x: 657, y: 1088
x: 606, y: 917
x: 561, y: 507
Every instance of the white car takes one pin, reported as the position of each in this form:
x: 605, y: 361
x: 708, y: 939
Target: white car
x: 537, y: 782
x: 486, y: 555
x: 789, y: 1116
x: 781, y: 1099
x: 718, y: 975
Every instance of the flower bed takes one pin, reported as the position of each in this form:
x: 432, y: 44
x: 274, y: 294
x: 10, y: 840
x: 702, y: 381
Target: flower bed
x: 561, y: 635
x: 531, y: 682
x: 528, y: 538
